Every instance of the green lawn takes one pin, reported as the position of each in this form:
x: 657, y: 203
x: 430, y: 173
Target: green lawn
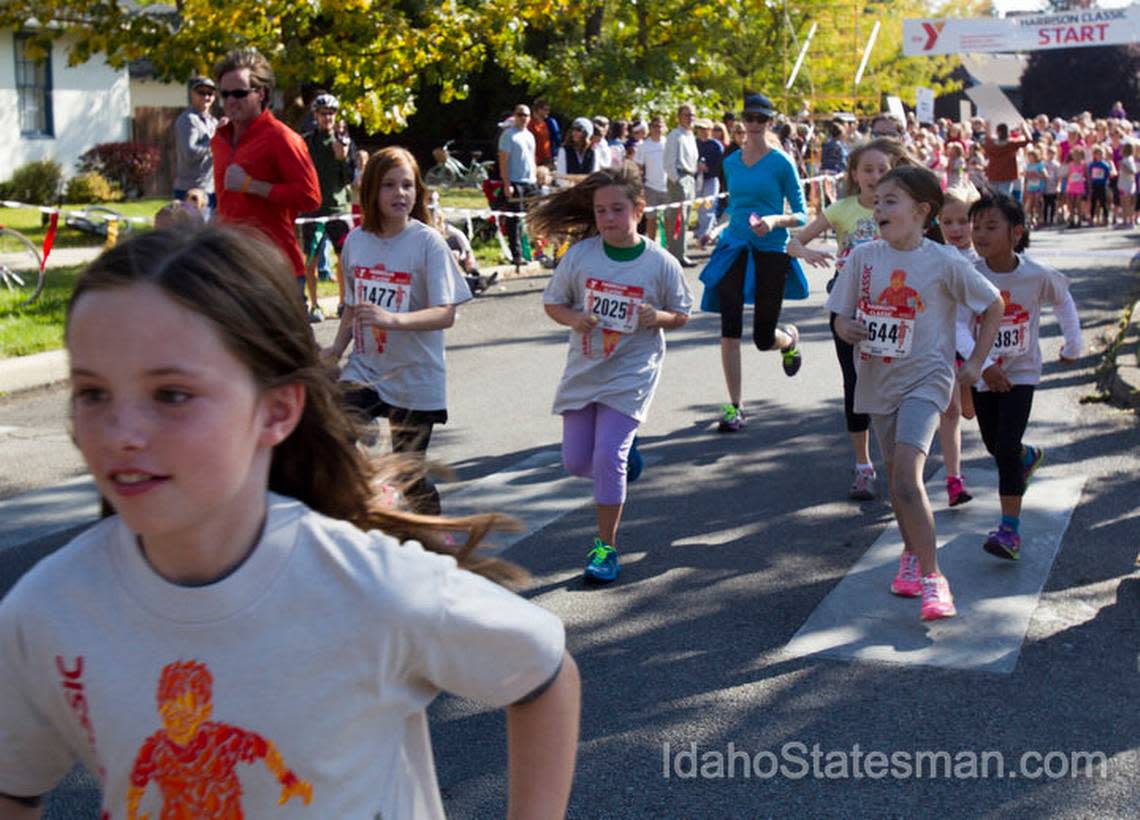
x: 39, y: 327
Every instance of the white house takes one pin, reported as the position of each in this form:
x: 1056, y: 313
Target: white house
x: 49, y: 109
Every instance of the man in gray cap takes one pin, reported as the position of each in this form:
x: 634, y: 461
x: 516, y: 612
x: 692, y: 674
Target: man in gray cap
x: 193, y: 130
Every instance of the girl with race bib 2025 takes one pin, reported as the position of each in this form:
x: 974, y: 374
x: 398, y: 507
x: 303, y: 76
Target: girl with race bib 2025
x: 617, y: 292
x: 896, y: 301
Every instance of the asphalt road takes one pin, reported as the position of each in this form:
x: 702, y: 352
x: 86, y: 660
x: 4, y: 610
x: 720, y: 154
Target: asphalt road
x: 729, y: 544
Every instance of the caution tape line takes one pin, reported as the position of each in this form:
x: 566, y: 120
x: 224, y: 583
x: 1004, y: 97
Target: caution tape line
x: 464, y: 213
x: 46, y: 209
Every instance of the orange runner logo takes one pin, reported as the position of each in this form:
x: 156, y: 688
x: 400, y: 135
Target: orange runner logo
x: 192, y: 759
x: 899, y: 295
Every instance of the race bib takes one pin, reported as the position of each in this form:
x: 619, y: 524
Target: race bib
x: 390, y: 290
x: 890, y: 330
x: 1013, y: 335
x: 614, y: 306
x: 386, y: 289
x: 1097, y: 174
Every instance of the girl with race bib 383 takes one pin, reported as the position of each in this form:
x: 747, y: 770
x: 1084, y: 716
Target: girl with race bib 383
x: 617, y: 292
x: 896, y: 301
x: 402, y: 288
x: 1003, y: 396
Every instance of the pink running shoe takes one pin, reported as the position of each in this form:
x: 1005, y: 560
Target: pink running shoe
x: 907, y: 582
x: 956, y: 490
x: 937, y: 602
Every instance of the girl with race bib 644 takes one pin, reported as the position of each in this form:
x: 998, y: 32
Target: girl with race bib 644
x: 896, y: 301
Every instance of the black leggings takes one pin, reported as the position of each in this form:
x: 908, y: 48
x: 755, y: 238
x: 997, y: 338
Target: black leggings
x: 772, y: 269
x: 856, y: 422
x: 1002, y: 419
x: 1098, y: 197
x: 411, y: 434
x: 1049, y: 209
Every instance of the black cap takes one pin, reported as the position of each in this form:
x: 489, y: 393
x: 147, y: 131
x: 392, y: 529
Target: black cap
x: 758, y: 104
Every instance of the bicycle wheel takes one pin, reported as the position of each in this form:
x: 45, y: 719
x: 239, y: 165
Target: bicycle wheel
x: 20, y: 265
x: 439, y: 175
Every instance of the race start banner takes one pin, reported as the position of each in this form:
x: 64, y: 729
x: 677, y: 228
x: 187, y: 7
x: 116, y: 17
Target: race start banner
x: 1068, y: 29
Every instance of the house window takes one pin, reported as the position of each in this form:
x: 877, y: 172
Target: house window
x: 33, y: 91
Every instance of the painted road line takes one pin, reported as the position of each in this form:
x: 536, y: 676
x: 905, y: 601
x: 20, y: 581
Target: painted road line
x: 537, y: 490
x: 41, y: 513
x: 860, y: 620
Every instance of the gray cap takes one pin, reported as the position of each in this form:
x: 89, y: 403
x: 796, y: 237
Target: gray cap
x: 196, y: 82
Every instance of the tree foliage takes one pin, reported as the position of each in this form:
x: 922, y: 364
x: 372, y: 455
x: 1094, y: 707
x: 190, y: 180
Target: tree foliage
x: 616, y: 56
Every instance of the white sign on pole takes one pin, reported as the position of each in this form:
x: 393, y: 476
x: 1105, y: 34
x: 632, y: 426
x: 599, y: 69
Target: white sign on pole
x: 995, y: 106
x: 1029, y: 32
x: 895, y: 106
x: 924, y: 104
x: 965, y: 112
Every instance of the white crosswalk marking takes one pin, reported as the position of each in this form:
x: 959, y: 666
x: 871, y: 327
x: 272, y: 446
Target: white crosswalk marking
x: 860, y: 620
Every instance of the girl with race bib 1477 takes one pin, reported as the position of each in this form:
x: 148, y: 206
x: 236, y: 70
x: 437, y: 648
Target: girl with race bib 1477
x: 402, y: 289
x: 617, y: 292
x: 896, y: 301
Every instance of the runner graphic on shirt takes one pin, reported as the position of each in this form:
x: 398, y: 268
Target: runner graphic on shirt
x: 1011, y: 307
x: 193, y: 759
x: 899, y: 295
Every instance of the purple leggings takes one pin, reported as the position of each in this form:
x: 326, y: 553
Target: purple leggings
x: 595, y: 442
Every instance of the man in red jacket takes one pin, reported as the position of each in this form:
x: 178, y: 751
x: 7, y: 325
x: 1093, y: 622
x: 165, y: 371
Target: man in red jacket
x: 262, y: 171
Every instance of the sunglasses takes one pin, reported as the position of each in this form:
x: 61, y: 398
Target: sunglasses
x: 749, y: 116
x: 205, y: 92
x: 237, y: 93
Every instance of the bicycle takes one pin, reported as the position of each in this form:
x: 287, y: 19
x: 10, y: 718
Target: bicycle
x: 21, y: 268
x: 94, y: 220
x: 450, y: 171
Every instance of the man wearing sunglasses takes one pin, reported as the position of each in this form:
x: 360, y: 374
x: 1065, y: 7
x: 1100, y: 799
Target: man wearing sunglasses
x: 262, y: 170
x: 193, y: 130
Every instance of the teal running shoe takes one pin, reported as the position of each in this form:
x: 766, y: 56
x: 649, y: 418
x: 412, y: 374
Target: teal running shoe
x: 603, y: 566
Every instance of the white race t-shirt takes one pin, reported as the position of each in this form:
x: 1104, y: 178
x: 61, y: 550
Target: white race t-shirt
x: 618, y: 363
x: 1024, y: 290
x: 324, y: 647
x: 650, y: 155
x: 909, y: 300
x: 410, y: 271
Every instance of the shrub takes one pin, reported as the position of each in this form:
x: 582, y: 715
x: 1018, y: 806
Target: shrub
x: 129, y: 164
x: 90, y: 187
x: 36, y: 183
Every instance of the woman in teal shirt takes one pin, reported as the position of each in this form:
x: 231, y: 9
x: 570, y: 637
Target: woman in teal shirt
x: 750, y: 264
